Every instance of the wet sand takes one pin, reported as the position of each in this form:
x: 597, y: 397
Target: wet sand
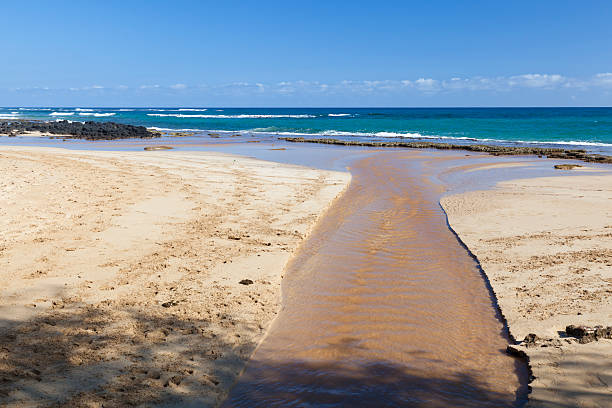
x: 384, y: 307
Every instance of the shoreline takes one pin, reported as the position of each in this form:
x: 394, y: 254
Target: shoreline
x: 108, y: 130
x: 294, y: 253
x: 565, y: 283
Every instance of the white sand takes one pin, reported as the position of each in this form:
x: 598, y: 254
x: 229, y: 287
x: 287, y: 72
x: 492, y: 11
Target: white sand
x: 546, y: 246
x: 119, y: 271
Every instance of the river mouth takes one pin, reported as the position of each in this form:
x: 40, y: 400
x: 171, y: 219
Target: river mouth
x: 383, y: 306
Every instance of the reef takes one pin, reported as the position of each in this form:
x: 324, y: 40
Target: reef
x: 79, y: 130
x: 495, y: 150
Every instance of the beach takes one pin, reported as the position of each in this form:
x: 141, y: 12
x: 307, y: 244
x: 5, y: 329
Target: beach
x: 545, y: 245
x: 133, y: 278
x: 397, y: 204
x: 152, y: 277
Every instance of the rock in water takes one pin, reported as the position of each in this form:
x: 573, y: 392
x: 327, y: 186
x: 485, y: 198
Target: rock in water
x: 151, y: 148
x: 566, y: 166
x: 88, y: 130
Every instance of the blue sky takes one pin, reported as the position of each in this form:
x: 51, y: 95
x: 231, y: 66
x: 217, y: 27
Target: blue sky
x: 307, y: 53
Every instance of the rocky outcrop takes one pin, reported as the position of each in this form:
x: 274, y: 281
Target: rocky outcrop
x: 575, y: 154
x: 153, y: 148
x: 87, y: 130
x: 586, y: 334
x: 566, y: 166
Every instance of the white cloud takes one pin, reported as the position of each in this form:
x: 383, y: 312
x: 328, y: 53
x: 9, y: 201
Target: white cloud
x: 537, y: 80
x: 604, y: 79
x: 424, y: 85
x: 427, y: 85
x: 432, y: 85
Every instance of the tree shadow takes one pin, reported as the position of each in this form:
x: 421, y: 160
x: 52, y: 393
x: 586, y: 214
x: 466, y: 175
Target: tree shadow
x: 88, y: 357
x: 366, y: 384
x: 583, y: 376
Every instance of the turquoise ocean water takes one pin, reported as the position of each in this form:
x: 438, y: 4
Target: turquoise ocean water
x: 589, y: 128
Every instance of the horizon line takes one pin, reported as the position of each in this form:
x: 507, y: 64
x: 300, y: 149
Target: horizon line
x: 311, y: 107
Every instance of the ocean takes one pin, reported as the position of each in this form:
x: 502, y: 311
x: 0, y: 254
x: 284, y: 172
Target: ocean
x: 588, y: 128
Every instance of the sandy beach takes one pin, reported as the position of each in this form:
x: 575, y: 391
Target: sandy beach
x: 545, y: 244
x: 131, y: 278
x: 330, y: 205
x: 150, y: 277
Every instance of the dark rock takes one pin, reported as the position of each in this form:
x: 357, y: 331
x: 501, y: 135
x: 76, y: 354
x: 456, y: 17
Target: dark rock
x: 152, y: 148
x: 530, y: 340
x: 181, y: 134
x: 586, y: 334
x: 577, y: 154
x: 88, y: 130
x: 169, y: 304
x: 566, y: 166
x: 516, y: 351
x: 246, y: 282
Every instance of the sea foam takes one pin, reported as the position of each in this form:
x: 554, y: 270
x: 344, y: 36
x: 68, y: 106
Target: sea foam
x: 96, y: 114
x: 160, y: 129
x: 180, y: 115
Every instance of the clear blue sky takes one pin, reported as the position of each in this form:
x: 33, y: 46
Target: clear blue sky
x: 307, y: 53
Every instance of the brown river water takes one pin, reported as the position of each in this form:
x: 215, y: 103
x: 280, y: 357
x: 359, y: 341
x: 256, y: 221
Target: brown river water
x: 383, y: 306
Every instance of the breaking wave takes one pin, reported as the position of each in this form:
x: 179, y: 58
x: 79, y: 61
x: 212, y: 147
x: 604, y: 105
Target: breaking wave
x: 97, y: 115
x: 179, y: 115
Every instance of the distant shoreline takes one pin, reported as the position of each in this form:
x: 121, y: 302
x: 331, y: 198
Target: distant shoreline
x: 566, y: 128
x: 92, y: 130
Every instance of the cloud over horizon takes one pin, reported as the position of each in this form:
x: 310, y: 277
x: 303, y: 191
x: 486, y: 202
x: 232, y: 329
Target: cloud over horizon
x: 426, y: 85
x: 423, y: 87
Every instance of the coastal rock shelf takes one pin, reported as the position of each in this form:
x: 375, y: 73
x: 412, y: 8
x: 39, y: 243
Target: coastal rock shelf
x: 87, y: 130
x: 574, y: 154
